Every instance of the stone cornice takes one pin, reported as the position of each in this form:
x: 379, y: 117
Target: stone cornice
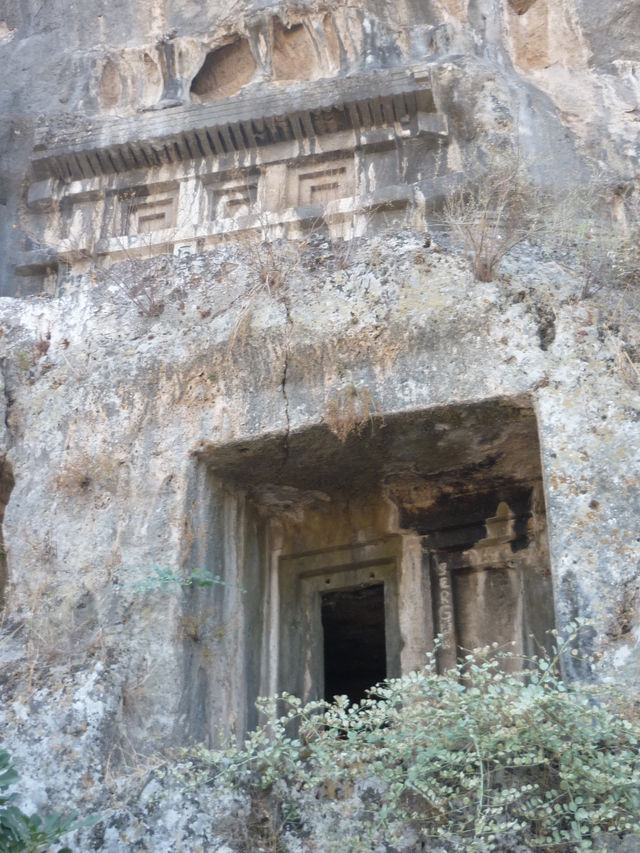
x: 257, y: 117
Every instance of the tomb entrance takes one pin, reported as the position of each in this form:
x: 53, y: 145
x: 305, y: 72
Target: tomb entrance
x: 353, y: 627
x: 364, y: 550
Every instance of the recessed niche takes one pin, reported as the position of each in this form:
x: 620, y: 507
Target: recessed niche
x: 110, y: 86
x: 356, y: 554
x: 294, y: 54
x: 224, y: 72
x: 521, y: 6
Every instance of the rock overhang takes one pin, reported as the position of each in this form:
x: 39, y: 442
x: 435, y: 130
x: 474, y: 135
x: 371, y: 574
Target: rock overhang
x: 494, y: 440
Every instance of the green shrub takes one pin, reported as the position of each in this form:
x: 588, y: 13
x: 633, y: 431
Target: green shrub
x: 167, y: 580
x: 474, y: 759
x: 21, y: 833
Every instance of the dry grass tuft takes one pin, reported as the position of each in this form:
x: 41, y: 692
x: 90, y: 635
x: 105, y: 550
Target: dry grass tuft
x: 82, y: 471
x: 497, y: 208
x: 349, y: 411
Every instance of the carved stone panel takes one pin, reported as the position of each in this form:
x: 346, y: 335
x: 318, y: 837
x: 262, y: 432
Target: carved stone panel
x: 231, y: 196
x: 488, y: 609
x: 338, y: 149
x: 321, y: 182
x: 147, y: 209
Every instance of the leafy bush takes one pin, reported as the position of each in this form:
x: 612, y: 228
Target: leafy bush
x: 474, y: 759
x: 21, y: 833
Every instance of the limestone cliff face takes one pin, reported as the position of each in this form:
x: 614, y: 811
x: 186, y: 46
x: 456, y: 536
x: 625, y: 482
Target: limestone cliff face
x: 237, y: 338
x: 561, y: 77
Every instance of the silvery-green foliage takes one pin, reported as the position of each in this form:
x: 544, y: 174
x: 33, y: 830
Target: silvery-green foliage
x: 476, y: 759
x: 167, y: 580
x: 22, y: 833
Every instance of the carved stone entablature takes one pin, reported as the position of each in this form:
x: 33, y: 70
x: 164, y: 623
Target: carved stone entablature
x: 252, y: 119
x: 179, y: 179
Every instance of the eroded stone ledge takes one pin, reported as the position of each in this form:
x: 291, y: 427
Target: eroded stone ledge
x: 249, y: 120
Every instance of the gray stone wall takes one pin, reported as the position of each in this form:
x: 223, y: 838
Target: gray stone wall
x: 106, y: 433
x: 154, y: 402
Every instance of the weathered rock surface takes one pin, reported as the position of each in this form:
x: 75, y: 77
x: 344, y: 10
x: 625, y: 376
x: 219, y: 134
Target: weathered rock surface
x: 560, y: 77
x: 101, y: 434
x: 167, y: 411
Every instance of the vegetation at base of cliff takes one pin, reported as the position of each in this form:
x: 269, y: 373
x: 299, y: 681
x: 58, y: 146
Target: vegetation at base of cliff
x: 21, y: 833
x: 476, y: 758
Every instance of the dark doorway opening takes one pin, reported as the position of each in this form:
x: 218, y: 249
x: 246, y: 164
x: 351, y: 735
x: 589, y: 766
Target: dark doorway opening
x: 354, y: 641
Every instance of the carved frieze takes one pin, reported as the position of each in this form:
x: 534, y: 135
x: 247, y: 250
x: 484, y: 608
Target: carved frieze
x: 266, y: 156
x: 252, y: 119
